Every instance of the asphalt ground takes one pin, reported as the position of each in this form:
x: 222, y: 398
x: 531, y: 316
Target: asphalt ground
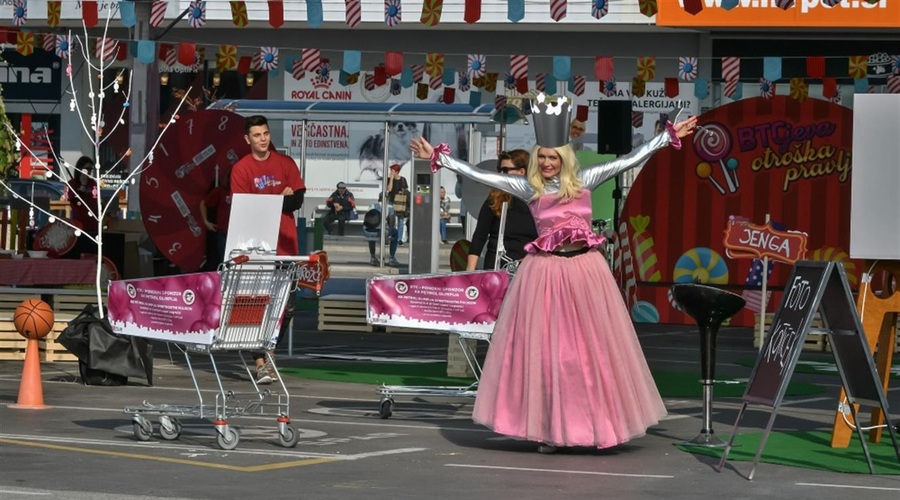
x: 84, y: 447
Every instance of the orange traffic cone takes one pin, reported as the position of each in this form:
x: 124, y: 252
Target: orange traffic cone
x: 31, y: 393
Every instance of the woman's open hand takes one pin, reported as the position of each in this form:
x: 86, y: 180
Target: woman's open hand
x: 686, y: 127
x: 421, y: 148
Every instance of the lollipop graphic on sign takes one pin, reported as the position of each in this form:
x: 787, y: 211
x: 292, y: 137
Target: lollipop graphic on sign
x: 713, y: 145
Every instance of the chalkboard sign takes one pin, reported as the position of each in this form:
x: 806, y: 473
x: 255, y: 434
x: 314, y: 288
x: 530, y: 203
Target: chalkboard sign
x: 787, y: 332
x: 814, y: 287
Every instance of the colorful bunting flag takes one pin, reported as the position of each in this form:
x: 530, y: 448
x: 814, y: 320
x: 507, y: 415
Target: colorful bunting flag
x: 20, y: 12
x: 515, y: 10
x: 784, y: 4
x: 829, y: 87
x: 646, y: 68
x: 472, y: 12
x: 392, y: 13
x: 158, y: 12
x: 49, y: 43
x: 895, y: 60
x: 268, y: 58
x: 297, y: 70
x: 648, y: 8
x: 393, y: 63
x: 243, y: 65
x: 608, y: 87
x: 693, y: 7
x: 858, y: 66
x: 311, y: 59
x: 54, y: 12
x: 187, y: 53
x: 562, y: 67
x: 522, y: 85
x: 431, y: 12
x: 509, y: 81
x: 500, y: 103
x: 24, y: 43
x: 449, y: 95
x: 581, y: 113
x: 558, y: 9
x: 127, y: 14
x: 766, y: 88
x: 463, y: 81
x: 731, y: 73
x: 815, y: 67
x: 799, y: 89
x: 518, y: 66
x: 353, y: 12
x: 418, y: 72
x: 239, y: 14
x: 599, y: 8
x: 351, y: 61
x: 772, y: 68
x: 490, y: 82
x: 637, y: 119
x: 276, y: 14
x: 89, y: 15
x: 671, y: 87
x: 434, y: 64
x: 893, y: 84
x: 578, y: 85
x: 476, y: 65
x: 687, y: 68
x: 603, y: 68
x: 146, y: 51
x: 421, y: 91
x: 701, y: 88
x: 435, y: 82
x: 379, y: 75
x: 638, y: 87
x: 226, y: 58
x: 105, y: 48
x: 63, y: 45
x: 197, y: 14
x: 395, y: 87
x: 539, y: 82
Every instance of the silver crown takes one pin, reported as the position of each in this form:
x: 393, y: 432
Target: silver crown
x: 551, y: 121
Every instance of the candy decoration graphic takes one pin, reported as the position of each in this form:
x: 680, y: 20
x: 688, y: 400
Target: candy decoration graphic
x: 799, y: 89
x: 431, y: 12
x: 54, y: 12
x: 226, y: 58
x: 713, y: 145
x: 353, y: 14
x: 835, y: 254
x: 158, y: 12
x: 648, y: 265
x: 646, y: 68
x: 701, y: 265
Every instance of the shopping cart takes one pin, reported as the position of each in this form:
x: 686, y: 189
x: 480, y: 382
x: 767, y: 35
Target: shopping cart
x: 428, y: 302
x: 253, y: 293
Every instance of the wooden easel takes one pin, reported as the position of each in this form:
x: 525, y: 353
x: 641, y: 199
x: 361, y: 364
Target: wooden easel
x: 879, y: 320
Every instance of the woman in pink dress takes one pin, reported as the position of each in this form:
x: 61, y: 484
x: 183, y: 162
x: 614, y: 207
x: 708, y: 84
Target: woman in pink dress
x: 565, y: 367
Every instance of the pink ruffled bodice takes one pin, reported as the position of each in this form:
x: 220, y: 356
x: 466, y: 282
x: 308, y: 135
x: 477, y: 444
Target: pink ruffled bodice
x: 560, y: 223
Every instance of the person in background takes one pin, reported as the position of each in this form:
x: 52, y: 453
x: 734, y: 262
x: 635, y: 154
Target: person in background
x: 219, y: 199
x: 372, y: 232
x: 519, y: 229
x: 462, y: 205
x: 565, y: 367
x: 576, y: 130
x: 266, y: 171
x: 398, y: 184
x: 445, y: 214
x: 82, y: 192
x: 341, y: 203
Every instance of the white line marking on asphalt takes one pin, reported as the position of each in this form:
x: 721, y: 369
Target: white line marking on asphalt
x: 590, y: 473
x: 17, y: 492
x: 849, y: 486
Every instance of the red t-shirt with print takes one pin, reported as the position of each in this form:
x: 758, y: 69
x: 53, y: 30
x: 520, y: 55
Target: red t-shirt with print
x: 271, y: 176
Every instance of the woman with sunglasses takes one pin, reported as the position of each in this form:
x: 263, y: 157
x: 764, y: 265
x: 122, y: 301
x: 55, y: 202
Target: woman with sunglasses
x: 519, y: 229
x: 565, y: 367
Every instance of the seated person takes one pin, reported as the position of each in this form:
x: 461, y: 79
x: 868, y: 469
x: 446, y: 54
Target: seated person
x: 372, y: 232
x: 340, y: 205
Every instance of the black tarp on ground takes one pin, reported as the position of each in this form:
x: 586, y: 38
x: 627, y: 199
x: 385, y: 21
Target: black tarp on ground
x: 98, y: 349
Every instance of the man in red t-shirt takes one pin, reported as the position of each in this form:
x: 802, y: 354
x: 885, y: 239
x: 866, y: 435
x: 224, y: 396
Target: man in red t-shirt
x: 265, y: 171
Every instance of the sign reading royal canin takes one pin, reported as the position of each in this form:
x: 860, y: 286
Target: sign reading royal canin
x: 755, y: 157
x: 767, y: 13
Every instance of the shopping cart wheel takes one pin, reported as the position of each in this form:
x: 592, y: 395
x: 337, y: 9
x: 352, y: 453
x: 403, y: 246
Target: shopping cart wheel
x: 228, y: 439
x: 289, y: 438
x: 386, y: 409
x: 169, y: 428
x: 142, y: 428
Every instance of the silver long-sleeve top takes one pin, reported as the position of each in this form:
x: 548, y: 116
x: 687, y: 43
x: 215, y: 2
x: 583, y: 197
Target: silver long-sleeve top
x: 591, y: 176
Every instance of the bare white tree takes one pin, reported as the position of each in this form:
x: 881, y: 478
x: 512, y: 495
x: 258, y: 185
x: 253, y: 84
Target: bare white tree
x: 89, y: 105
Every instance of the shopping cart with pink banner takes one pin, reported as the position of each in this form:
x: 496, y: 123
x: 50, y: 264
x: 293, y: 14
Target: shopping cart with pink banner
x: 237, y: 309
x: 465, y: 303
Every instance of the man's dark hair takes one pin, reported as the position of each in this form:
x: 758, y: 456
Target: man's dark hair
x: 254, y: 121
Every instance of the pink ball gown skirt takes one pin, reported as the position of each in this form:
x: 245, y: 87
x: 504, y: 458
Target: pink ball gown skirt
x: 565, y: 366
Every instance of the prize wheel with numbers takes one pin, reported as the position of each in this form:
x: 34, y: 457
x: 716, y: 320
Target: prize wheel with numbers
x: 199, y: 148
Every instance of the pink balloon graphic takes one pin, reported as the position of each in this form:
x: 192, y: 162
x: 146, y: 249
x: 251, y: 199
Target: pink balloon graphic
x: 211, y: 314
x: 200, y: 326
x: 484, y: 317
x: 493, y: 285
x: 205, y: 286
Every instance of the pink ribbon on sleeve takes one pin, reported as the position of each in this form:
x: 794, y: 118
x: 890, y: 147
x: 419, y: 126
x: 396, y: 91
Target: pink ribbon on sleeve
x: 440, y: 149
x: 674, y: 140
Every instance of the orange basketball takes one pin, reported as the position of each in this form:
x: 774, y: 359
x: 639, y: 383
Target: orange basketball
x: 33, y: 319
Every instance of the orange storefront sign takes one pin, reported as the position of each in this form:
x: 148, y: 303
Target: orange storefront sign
x: 765, y: 13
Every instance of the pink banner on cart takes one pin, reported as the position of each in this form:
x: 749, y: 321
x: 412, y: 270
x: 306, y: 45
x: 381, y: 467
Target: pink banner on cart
x: 459, y: 302
x: 183, y: 308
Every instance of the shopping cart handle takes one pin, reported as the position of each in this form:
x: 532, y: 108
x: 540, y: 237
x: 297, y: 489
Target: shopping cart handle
x: 240, y: 259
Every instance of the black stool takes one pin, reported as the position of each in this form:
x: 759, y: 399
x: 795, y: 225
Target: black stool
x: 709, y: 306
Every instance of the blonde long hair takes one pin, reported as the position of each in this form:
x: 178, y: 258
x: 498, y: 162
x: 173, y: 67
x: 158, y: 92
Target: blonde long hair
x: 569, y: 182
